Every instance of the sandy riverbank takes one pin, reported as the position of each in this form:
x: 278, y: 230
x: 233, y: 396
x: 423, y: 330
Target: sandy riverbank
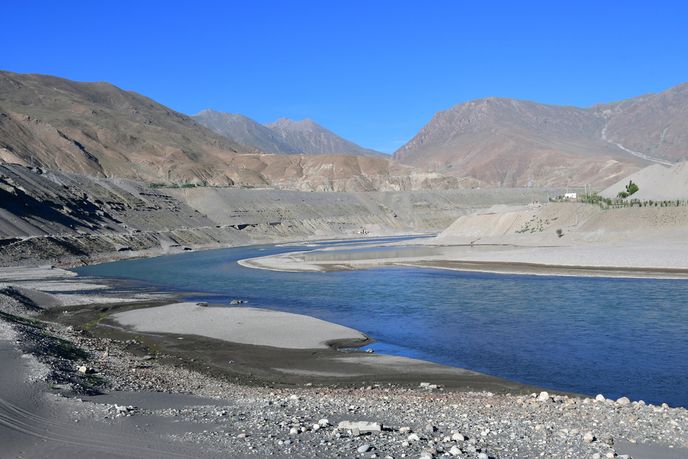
x: 556, y: 239
x: 637, y: 261
x: 240, y: 325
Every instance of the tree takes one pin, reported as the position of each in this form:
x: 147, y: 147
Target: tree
x: 630, y: 189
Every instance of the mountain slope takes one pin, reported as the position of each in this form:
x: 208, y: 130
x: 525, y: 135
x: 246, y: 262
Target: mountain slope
x: 653, y: 125
x: 512, y: 142
x: 99, y: 129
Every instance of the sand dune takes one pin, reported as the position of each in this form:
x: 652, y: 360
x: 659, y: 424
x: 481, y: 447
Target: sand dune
x: 656, y: 182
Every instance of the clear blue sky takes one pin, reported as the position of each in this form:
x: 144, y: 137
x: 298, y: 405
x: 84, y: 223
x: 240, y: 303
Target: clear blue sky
x: 372, y: 71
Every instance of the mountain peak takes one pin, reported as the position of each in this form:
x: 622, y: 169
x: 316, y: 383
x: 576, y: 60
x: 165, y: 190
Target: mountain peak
x: 284, y: 135
x: 288, y: 123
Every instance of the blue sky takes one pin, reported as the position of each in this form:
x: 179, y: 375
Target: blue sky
x: 372, y: 71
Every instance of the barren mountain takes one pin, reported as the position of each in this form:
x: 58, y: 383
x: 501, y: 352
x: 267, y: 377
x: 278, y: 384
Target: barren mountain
x: 512, y: 142
x: 282, y: 136
x: 244, y: 130
x: 308, y: 137
x: 97, y: 129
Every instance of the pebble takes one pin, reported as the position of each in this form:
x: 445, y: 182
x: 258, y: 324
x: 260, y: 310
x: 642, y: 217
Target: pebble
x: 364, y: 448
x: 543, y: 397
x: 455, y: 451
x: 588, y: 437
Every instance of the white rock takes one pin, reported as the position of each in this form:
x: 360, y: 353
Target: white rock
x: 623, y: 401
x: 323, y: 422
x: 426, y: 455
x: 455, y: 451
x: 316, y: 427
x: 483, y: 456
x: 364, y: 448
x: 293, y: 431
x: 361, y: 426
x: 588, y: 437
x: 413, y: 437
x: 599, y: 398
x: 543, y: 397
x: 458, y: 437
x: 404, y: 430
x: 242, y: 435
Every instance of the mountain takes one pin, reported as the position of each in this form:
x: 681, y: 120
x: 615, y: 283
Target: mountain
x: 244, y: 130
x: 97, y: 129
x: 308, y: 137
x: 282, y: 136
x: 511, y: 142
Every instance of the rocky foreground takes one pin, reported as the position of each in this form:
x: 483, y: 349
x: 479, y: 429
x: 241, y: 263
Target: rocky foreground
x: 370, y: 421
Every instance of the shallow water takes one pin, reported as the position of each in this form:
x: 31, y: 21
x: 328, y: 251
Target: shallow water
x: 586, y: 335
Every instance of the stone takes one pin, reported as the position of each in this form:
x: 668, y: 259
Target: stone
x: 404, y: 430
x: 364, y: 448
x: 599, y: 398
x: 543, y: 397
x: 455, y: 451
x: 323, y: 422
x: 428, y: 386
x: 426, y: 455
x: 623, y: 401
x: 458, y: 437
x: 242, y: 435
x: 361, y: 426
x: 315, y: 427
x: 483, y: 456
x: 293, y: 431
x: 588, y: 437
x: 413, y: 437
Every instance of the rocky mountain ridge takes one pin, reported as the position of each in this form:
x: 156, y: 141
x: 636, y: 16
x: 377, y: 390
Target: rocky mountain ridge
x: 507, y: 142
x: 282, y: 136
